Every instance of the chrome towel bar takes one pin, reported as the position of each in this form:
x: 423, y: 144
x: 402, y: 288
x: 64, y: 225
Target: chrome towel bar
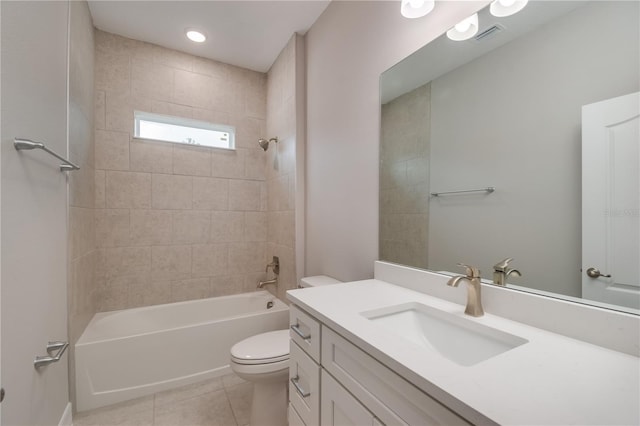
x: 22, y: 144
x: 41, y: 361
x: 488, y: 189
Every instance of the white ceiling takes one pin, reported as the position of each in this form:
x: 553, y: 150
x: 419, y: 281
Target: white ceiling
x: 248, y: 34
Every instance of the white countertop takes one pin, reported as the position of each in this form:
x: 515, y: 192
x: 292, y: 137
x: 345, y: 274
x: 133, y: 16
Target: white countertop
x: 551, y: 380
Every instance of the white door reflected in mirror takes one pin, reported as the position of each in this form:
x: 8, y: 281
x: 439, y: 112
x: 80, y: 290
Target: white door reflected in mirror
x: 611, y: 201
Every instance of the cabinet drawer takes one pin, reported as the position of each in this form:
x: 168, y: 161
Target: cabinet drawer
x: 294, y: 417
x: 304, y: 385
x: 340, y: 408
x: 305, y: 331
x: 389, y: 397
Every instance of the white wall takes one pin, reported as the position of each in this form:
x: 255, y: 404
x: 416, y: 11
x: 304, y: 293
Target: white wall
x: 521, y: 108
x: 34, y: 216
x: 348, y: 48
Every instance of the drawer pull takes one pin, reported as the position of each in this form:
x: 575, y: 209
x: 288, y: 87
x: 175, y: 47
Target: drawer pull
x: 299, y: 389
x: 299, y: 332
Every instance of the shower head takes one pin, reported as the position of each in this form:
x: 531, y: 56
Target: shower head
x: 264, y: 144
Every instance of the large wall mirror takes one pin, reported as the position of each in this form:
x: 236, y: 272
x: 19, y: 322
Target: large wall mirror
x: 521, y: 143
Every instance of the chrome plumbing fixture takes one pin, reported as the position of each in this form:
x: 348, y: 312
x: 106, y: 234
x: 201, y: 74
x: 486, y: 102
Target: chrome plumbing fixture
x: 25, y: 144
x: 501, y: 272
x: 474, y: 298
x: 275, y: 265
x: 274, y: 281
x: 264, y: 143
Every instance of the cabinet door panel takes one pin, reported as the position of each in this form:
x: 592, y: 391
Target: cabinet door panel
x: 294, y: 417
x: 391, y: 398
x: 339, y: 407
x: 304, y: 385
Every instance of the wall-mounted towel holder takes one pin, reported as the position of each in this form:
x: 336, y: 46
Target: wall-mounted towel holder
x: 488, y: 189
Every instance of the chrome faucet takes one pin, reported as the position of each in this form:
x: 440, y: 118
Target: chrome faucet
x: 275, y: 265
x: 474, y: 299
x: 501, y: 272
x: 267, y: 282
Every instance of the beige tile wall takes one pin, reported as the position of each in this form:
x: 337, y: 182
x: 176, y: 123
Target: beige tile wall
x: 404, y: 178
x: 82, y: 296
x: 281, y: 163
x: 176, y: 222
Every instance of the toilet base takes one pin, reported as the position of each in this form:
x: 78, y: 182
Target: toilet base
x: 269, y: 405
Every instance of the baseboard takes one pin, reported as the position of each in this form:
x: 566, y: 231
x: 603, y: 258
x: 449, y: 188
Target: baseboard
x: 67, y: 416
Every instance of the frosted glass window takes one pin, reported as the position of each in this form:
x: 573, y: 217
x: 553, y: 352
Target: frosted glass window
x: 183, y: 130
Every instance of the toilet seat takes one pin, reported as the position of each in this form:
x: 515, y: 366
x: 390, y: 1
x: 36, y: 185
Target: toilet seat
x: 255, y: 370
x: 265, y: 348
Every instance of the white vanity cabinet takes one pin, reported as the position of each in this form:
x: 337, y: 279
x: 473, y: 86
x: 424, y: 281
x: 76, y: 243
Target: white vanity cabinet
x: 340, y: 408
x: 304, y: 368
x: 343, y: 385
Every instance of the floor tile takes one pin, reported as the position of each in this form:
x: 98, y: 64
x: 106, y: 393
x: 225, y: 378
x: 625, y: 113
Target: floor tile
x: 232, y: 380
x: 210, y: 409
x: 137, y: 412
x: 240, y: 398
x: 189, y: 391
x: 141, y: 418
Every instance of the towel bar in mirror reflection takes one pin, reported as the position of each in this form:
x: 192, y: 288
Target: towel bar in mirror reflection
x: 518, y: 109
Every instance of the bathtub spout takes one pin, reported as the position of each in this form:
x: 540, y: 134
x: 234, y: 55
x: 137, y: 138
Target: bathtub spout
x: 261, y: 284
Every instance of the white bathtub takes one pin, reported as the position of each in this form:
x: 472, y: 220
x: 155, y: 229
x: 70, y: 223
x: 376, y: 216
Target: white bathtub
x: 135, y: 352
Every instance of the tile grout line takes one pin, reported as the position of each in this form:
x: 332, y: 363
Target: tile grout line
x: 233, y: 412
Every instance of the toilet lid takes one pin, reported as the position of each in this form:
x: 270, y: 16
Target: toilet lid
x: 262, y: 348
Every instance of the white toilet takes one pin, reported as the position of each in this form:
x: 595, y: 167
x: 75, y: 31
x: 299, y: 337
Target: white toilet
x: 263, y: 359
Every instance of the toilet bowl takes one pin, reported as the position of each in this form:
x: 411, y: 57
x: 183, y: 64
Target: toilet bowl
x: 263, y: 359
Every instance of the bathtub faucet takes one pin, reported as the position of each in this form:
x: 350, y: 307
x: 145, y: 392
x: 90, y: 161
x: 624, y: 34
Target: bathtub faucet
x: 261, y: 284
x: 275, y: 265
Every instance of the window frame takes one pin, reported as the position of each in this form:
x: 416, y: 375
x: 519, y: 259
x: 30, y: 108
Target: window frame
x: 184, y: 122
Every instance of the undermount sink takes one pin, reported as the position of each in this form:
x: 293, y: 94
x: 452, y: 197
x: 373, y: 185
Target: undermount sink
x: 458, y: 339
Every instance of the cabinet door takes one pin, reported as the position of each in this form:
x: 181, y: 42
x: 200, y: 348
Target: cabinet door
x: 304, y: 385
x: 390, y: 397
x: 294, y: 417
x: 339, y: 408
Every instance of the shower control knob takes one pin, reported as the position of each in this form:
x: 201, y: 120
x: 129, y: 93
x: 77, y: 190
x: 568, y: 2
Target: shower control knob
x: 1, y: 394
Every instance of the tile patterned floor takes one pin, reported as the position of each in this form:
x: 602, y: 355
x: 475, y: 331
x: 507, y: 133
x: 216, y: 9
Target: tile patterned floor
x: 224, y: 401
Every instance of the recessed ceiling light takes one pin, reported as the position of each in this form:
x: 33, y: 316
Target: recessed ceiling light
x: 196, y: 36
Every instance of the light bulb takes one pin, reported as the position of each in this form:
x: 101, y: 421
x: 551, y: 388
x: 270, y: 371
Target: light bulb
x: 463, y: 26
x: 464, y: 29
x: 502, y: 8
x: 416, y: 8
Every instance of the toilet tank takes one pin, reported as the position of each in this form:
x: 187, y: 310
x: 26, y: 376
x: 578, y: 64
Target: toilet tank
x: 317, y: 280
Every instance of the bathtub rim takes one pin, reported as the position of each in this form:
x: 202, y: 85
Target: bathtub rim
x: 278, y: 306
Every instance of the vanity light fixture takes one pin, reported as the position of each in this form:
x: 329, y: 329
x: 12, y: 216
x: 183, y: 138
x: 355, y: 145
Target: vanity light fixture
x: 464, y: 29
x: 416, y: 8
x: 502, y: 8
x: 195, y: 36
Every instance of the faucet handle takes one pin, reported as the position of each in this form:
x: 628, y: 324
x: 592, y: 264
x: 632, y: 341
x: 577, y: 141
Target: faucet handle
x: 502, y: 265
x: 472, y: 271
x: 275, y: 264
